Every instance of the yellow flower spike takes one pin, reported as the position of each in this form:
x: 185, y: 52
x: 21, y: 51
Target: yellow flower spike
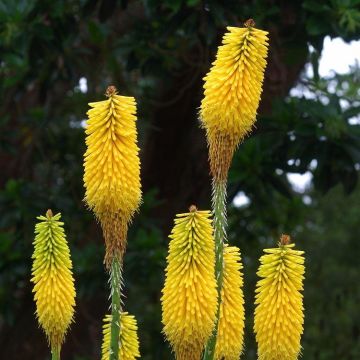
x: 128, y: 338
x: 189, y: 299
x: 112, y: 168
x: 279, y: 309
x: 230, y: 338
x: 53, y: 280
x: 232, y: 92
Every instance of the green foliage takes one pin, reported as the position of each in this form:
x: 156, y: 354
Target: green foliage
x: 146, y: 48
x: 331, y: 243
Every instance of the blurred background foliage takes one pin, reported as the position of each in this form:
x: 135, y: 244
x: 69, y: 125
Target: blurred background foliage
x: 56, y: 56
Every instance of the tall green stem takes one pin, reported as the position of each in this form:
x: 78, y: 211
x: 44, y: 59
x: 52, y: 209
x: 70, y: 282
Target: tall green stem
x: 55, y: 353
x: 219, y: 211
x: 115, y: 278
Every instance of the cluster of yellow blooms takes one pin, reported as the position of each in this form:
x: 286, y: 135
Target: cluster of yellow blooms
x: 189, y: 295
x: 112, y: 168
x: 232, y: 92
x: 230, y: 338
x: 279, y: 314
x: 198, y: 300
x: 189, y: 298
x: 53, y: 280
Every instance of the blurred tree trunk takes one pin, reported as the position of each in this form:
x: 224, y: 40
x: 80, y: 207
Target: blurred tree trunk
x: 175, y: 153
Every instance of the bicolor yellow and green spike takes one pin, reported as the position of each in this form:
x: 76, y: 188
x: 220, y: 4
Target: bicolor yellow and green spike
x: 112, y: 168
x: 53, y: 280
x: 232, y: 92
x: 279, y: 316
x: 230, y: 336
x: 189, y: 299
x: 128, y: 338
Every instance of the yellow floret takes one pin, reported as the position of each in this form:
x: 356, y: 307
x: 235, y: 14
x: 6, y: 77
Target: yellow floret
x: 112, y: 167
x: 189, y: 298
x: 279, y: 314
x: 232, y: 92
x: 230, y: 338
x: 52, y: 277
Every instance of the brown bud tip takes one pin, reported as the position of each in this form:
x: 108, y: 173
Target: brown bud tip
x: 49, y: 214
x: 285, y: 239
x: 111, y: 90
x: 192, y: 208
x: 249, y: 23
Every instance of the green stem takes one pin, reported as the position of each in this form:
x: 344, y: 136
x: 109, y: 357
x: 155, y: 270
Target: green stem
x: 115, y: 277
x: 219, y: 211
x: 55, y: 353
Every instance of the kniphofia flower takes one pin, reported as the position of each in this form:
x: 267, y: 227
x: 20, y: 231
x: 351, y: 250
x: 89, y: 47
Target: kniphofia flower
x: 232, y: 92
x: 189, y: 298
x: 279, y: 309
x: 112, y: 167
x: 128, y: 338
x: 230, y: 336
x: 53, y: 280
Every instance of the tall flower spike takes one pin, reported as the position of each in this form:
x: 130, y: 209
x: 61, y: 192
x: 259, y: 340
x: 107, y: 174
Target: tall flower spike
x: 112, y: 168
x: 232, y: 92
x: 279, y: 309
x: 230, y: 338
x: 128, y: 338
x: 189, y: 298
x: 53, y: 281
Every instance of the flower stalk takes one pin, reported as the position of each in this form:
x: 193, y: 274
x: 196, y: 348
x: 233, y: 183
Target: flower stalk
x: 112, y: 183
x: 220, y: 222
x: 116, y: 283
x: 55, y: 354
x: 228, y: 110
